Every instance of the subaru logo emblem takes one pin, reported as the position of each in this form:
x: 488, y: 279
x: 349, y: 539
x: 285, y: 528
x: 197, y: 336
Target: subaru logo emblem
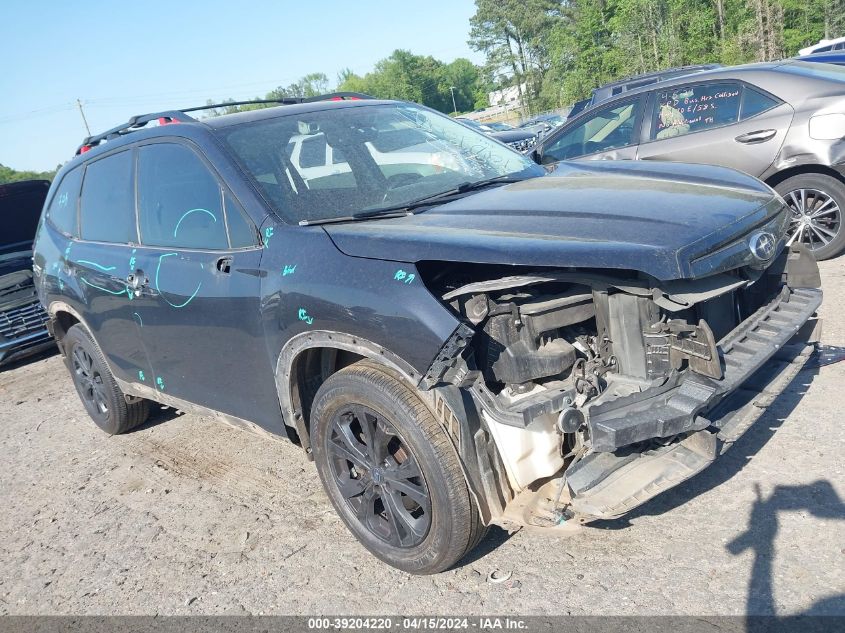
x: 762, y: 245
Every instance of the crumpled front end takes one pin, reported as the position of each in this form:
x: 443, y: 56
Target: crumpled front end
x: 586, y: 393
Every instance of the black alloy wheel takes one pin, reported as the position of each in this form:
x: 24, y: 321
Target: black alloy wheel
x: 391, y: 471
x: 379, y: 477
x: 89, y: 381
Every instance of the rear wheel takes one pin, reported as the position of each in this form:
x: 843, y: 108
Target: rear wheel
x: 96, y: 386
x: 817, y: 203
x: 391, y: 471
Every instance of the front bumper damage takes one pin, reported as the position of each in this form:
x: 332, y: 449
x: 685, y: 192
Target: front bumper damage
x: 665, y: 399
x: 760, y: 358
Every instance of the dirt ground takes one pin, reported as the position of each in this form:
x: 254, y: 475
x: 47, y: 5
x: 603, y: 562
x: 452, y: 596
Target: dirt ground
x: 187, y: 515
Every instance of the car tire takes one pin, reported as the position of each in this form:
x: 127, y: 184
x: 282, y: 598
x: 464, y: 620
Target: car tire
x: 824, y: 196
x: 96, y: 386
x: 391, y: 471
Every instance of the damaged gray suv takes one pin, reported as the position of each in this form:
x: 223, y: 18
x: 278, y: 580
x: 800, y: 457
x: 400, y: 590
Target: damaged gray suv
x: 456, y: 336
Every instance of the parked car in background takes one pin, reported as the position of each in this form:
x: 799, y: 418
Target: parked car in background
x: 520, y: 140
x: 783, y: 122
x: 23, y: 321
x: 542, y: 124
x: 837, y: 58
x: 824, y: 46
x: 615, y: 88
x: 488, y: 343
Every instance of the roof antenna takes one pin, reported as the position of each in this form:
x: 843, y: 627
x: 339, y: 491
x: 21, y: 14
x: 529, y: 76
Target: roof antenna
x: 84, y: 120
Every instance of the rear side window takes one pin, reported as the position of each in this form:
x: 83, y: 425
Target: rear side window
x: 108, y: 202
x: 689, y: 109
x: 179, y: 199
x: 62, y: 211
x: 755, y: 102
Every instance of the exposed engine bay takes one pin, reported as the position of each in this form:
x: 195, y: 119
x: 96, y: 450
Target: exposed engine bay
x: 571, y: 372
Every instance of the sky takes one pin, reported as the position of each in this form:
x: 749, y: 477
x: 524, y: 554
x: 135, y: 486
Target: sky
x: 121, y: 58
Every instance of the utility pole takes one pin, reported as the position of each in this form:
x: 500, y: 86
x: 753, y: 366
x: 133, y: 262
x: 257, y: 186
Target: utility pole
x: 84, y: 120
x: 454, y: 107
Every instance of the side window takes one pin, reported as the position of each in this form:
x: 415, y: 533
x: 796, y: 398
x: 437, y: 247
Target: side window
x: 108, y: 206
x: 242, y: 233
x: 607, y: 129
x: 754, y: 103
x: 823, y: 49
x: 179, y: 200
x: 687, y: 109
x: 62, y: 211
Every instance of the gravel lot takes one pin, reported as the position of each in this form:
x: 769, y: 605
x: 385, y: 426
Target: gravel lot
x: 187, y: 515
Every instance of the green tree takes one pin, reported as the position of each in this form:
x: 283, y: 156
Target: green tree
x: 7, y: 174
x: 513, y: 34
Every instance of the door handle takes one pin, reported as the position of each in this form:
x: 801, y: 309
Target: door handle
x: 760, y: 136
x: 137, y: 281
x: 224, y: 265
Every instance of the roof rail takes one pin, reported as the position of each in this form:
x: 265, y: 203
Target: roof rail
x: 180, y: 116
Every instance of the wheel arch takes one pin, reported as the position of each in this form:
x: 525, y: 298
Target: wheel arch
x: 307, y: 353
x: 62, y: 318
x: 777, y: 178
x: 310, y: 357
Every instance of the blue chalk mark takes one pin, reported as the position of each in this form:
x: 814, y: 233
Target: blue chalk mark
x: 63, y: 199
x: 187, y: 213
x: 132, y: 262
x: 95, y: 265
x: 268, y: 233
x: 141, y: 375
x: 289, y: 270
x: 161, y: 294
x: 140, y: 320
x: 160, y: 383
x: 111, y: 292
x: 402, y: 276
x: 303, y: 316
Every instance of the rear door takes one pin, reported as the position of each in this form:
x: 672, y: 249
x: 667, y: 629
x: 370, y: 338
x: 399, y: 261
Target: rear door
x: 197, y: 273
x: 608, y: 133
x: 98, y: 263
x: 725, y: 123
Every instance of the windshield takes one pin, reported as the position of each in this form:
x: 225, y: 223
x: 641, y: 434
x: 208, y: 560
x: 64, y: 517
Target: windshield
x: 500, y: 127
x: 343, y: 161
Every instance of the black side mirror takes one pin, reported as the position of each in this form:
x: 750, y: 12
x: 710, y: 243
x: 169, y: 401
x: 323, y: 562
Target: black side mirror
x: 536, y: 156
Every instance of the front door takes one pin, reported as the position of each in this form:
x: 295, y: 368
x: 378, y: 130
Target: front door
x: 608, y: 133
x: 197, y: 283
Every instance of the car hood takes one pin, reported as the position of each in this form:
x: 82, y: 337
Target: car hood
x: 667, y: 220
x: 20, y: 210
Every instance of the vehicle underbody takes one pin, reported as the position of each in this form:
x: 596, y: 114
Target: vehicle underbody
x: 580, y: 394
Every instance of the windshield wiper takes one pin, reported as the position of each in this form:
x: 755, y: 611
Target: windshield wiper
x: 408, y: 208
x: 383, y: 213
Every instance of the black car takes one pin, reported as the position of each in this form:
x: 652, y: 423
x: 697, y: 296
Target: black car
x: 457, y: 336
x: 520, y: 140
x: 23, y: 321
